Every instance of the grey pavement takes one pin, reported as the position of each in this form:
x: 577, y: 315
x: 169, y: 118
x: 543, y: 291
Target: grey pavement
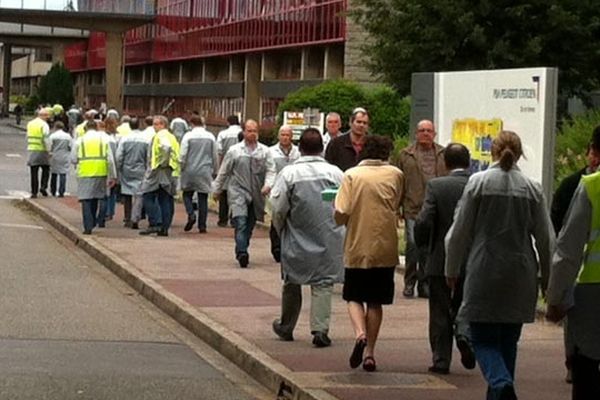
x: 195, y: 279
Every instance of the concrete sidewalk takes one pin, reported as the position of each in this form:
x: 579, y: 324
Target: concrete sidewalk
x: 196, y: 279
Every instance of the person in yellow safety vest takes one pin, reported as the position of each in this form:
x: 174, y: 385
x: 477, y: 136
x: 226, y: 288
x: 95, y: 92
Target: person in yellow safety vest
x: 88, y: 116
x: 123, y: 129
x: 96, y: 171
x: 37, y: 146
x: 159, y: 185
x: 574, y: 289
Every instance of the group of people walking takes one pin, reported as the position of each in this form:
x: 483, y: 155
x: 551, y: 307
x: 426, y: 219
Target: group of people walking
x: 476, y: 244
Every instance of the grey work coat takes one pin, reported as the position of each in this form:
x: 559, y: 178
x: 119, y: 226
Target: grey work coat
x: 95, y: 187
x: 312, y: 245
x: 162, y: 176
x: 131, y: 161
x: 40, y: 157
x: 60, y: 149
x: 496, y: 219
x: 198, y: 160
x: 281, y: 159
x: 248, y: 172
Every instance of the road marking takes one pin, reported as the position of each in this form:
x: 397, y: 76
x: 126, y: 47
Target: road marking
x: 13, y: 155
x: 24, y: 226
x: 17, y: 194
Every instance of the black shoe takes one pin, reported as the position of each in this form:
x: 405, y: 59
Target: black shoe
x: 277, y: 256
x: 508, y: 393
x: 467, y: 357
x: 423, y: 290
x: 222, y: 224
x: 134, y: 225
x: 61, y: 195
x: 190, y: 223
x: 150, y: 231
x: 243, y: 259
x: 356, y: 358
x: 409, y: 291
x: 202, y: 230
x: 101, y: 225
x: 285, y: 336
x: 44, y: 192
x: 320, y: 339
x: 87, y: 232
x: 162, y: 232
x: 33, y: 196
x: 439, y: 370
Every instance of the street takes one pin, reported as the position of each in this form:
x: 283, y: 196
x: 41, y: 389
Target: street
x: 72, y: 330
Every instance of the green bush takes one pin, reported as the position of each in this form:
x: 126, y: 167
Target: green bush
x: 56, y: 86
x: 571, y: 144
x: 31, y: 103
x: 389, y: 113
x: 18, y: 99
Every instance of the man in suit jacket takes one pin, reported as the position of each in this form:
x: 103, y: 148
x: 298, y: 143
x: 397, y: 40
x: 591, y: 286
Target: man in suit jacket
x: 435, y: 218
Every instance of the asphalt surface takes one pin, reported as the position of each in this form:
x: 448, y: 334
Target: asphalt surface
x: 72, y: 330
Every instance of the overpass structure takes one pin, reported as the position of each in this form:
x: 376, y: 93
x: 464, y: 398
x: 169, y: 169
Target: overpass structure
x: 53, y: 28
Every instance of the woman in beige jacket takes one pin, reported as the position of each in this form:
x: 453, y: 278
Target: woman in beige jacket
x: 367, y: 203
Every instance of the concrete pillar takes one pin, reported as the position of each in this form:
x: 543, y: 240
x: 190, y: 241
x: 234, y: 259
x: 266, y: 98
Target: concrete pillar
x: 114, y: 70
x: 58, y: 53
x: 333, y: 62
x: 252, y: 96
x: 6, y: 66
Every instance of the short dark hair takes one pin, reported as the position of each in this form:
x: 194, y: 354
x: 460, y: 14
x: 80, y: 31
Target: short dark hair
x: 197, y: 120
x: 91, y: 124
x: 456, y: 156
x: 149, y: 120
x: 596, y: 139
x: 356, y: 111
x: 376, y: 147
x: 233, y: 120
x: 58, y: 125
x: 134, y: 123
x: 311, y: 142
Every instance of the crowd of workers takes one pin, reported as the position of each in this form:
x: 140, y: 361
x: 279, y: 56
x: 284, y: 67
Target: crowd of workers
x: 475, y: 244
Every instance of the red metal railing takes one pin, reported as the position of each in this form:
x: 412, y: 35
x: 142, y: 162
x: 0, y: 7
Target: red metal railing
x: 202, y: 28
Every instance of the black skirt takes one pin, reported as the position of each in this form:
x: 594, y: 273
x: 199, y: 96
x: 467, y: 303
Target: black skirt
x: 370, y: 285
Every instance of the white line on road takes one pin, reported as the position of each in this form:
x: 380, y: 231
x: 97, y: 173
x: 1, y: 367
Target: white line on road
x: 25, y: 226
x: 13, y: 155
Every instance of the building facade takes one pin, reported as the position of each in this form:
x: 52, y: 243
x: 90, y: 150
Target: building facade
x: 220, y: 57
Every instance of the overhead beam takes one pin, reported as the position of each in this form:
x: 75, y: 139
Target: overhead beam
x: 93, y: 21
x: 39, y: 40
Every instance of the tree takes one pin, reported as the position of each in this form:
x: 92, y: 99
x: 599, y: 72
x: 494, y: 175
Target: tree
x: 445, y: 35
x: 56, y: 86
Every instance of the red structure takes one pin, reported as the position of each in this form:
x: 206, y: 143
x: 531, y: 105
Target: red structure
x: 188, y: 29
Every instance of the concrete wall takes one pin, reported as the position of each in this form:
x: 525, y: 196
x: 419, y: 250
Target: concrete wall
x: 28, y: 67
x: 354, y: 59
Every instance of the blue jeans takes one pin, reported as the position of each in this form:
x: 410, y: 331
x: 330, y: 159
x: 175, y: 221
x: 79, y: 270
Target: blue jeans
x: 244, y: 225
x: 111, y: 202
x: 62, y: 184
x: 160, y: 207
x: 101, y: 218
x: 495, y: 347
x: 89, y: 210
x: 202, y: 207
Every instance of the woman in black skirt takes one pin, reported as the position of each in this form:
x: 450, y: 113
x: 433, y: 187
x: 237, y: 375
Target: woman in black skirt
x: 367, y: 203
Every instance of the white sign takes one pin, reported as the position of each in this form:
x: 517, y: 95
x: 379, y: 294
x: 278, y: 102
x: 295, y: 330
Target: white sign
x: 472, y: 107
x: 298, y: 122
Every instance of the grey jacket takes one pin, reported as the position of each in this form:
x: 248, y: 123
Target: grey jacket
x: 60, y: 150
x: 281, y: 159
x: 132, y: 153
x: 436, y: 216
x: 246, y: 172
x: 496, y: 219
x: 95, y: 187
x: 583, y: 300
x: 198, y: 160
x: 311, y: 243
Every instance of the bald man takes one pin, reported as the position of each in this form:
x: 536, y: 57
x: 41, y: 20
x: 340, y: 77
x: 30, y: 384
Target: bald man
x: 38, y: 132
x: 420, y: 162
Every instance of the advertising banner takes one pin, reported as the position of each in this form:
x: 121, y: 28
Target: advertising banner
x: 299, y: 121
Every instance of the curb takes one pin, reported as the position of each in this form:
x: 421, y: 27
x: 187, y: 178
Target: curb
x: 248, y: 357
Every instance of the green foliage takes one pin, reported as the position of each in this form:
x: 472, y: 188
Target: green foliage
x: 31, y: 103
x: 409, y: 36
x: 571, y: 144
x: 18, y: 99
x: 389, y: 112
x: 56, y: 86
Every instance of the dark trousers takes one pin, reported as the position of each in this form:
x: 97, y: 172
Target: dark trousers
x: 89, y: 211
x: 34, y: 173
x: 443, y: 326
x: 202, y: 207
x: 62, y: 184
x: 160, y: 207
x: 586, y: 377
x: 127, y: 201
x: 415, y: 258
x: 223, y: 209
x: 275, y: 243
x: 244, y: 225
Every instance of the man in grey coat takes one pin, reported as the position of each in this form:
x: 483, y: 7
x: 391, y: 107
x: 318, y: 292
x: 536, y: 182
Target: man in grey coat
x: 60, y: 159
x: 131, y: 163
x: 247, y: 172
x: 199, y: 163
x: 432, y: 224
x: 311, y: 243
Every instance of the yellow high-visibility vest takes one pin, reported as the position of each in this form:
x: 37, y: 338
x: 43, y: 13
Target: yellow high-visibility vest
x: 92, y: 157
x: 35, y: 135
x: 80, y: 129
x: 156, y: 159
x: 590, y: 273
